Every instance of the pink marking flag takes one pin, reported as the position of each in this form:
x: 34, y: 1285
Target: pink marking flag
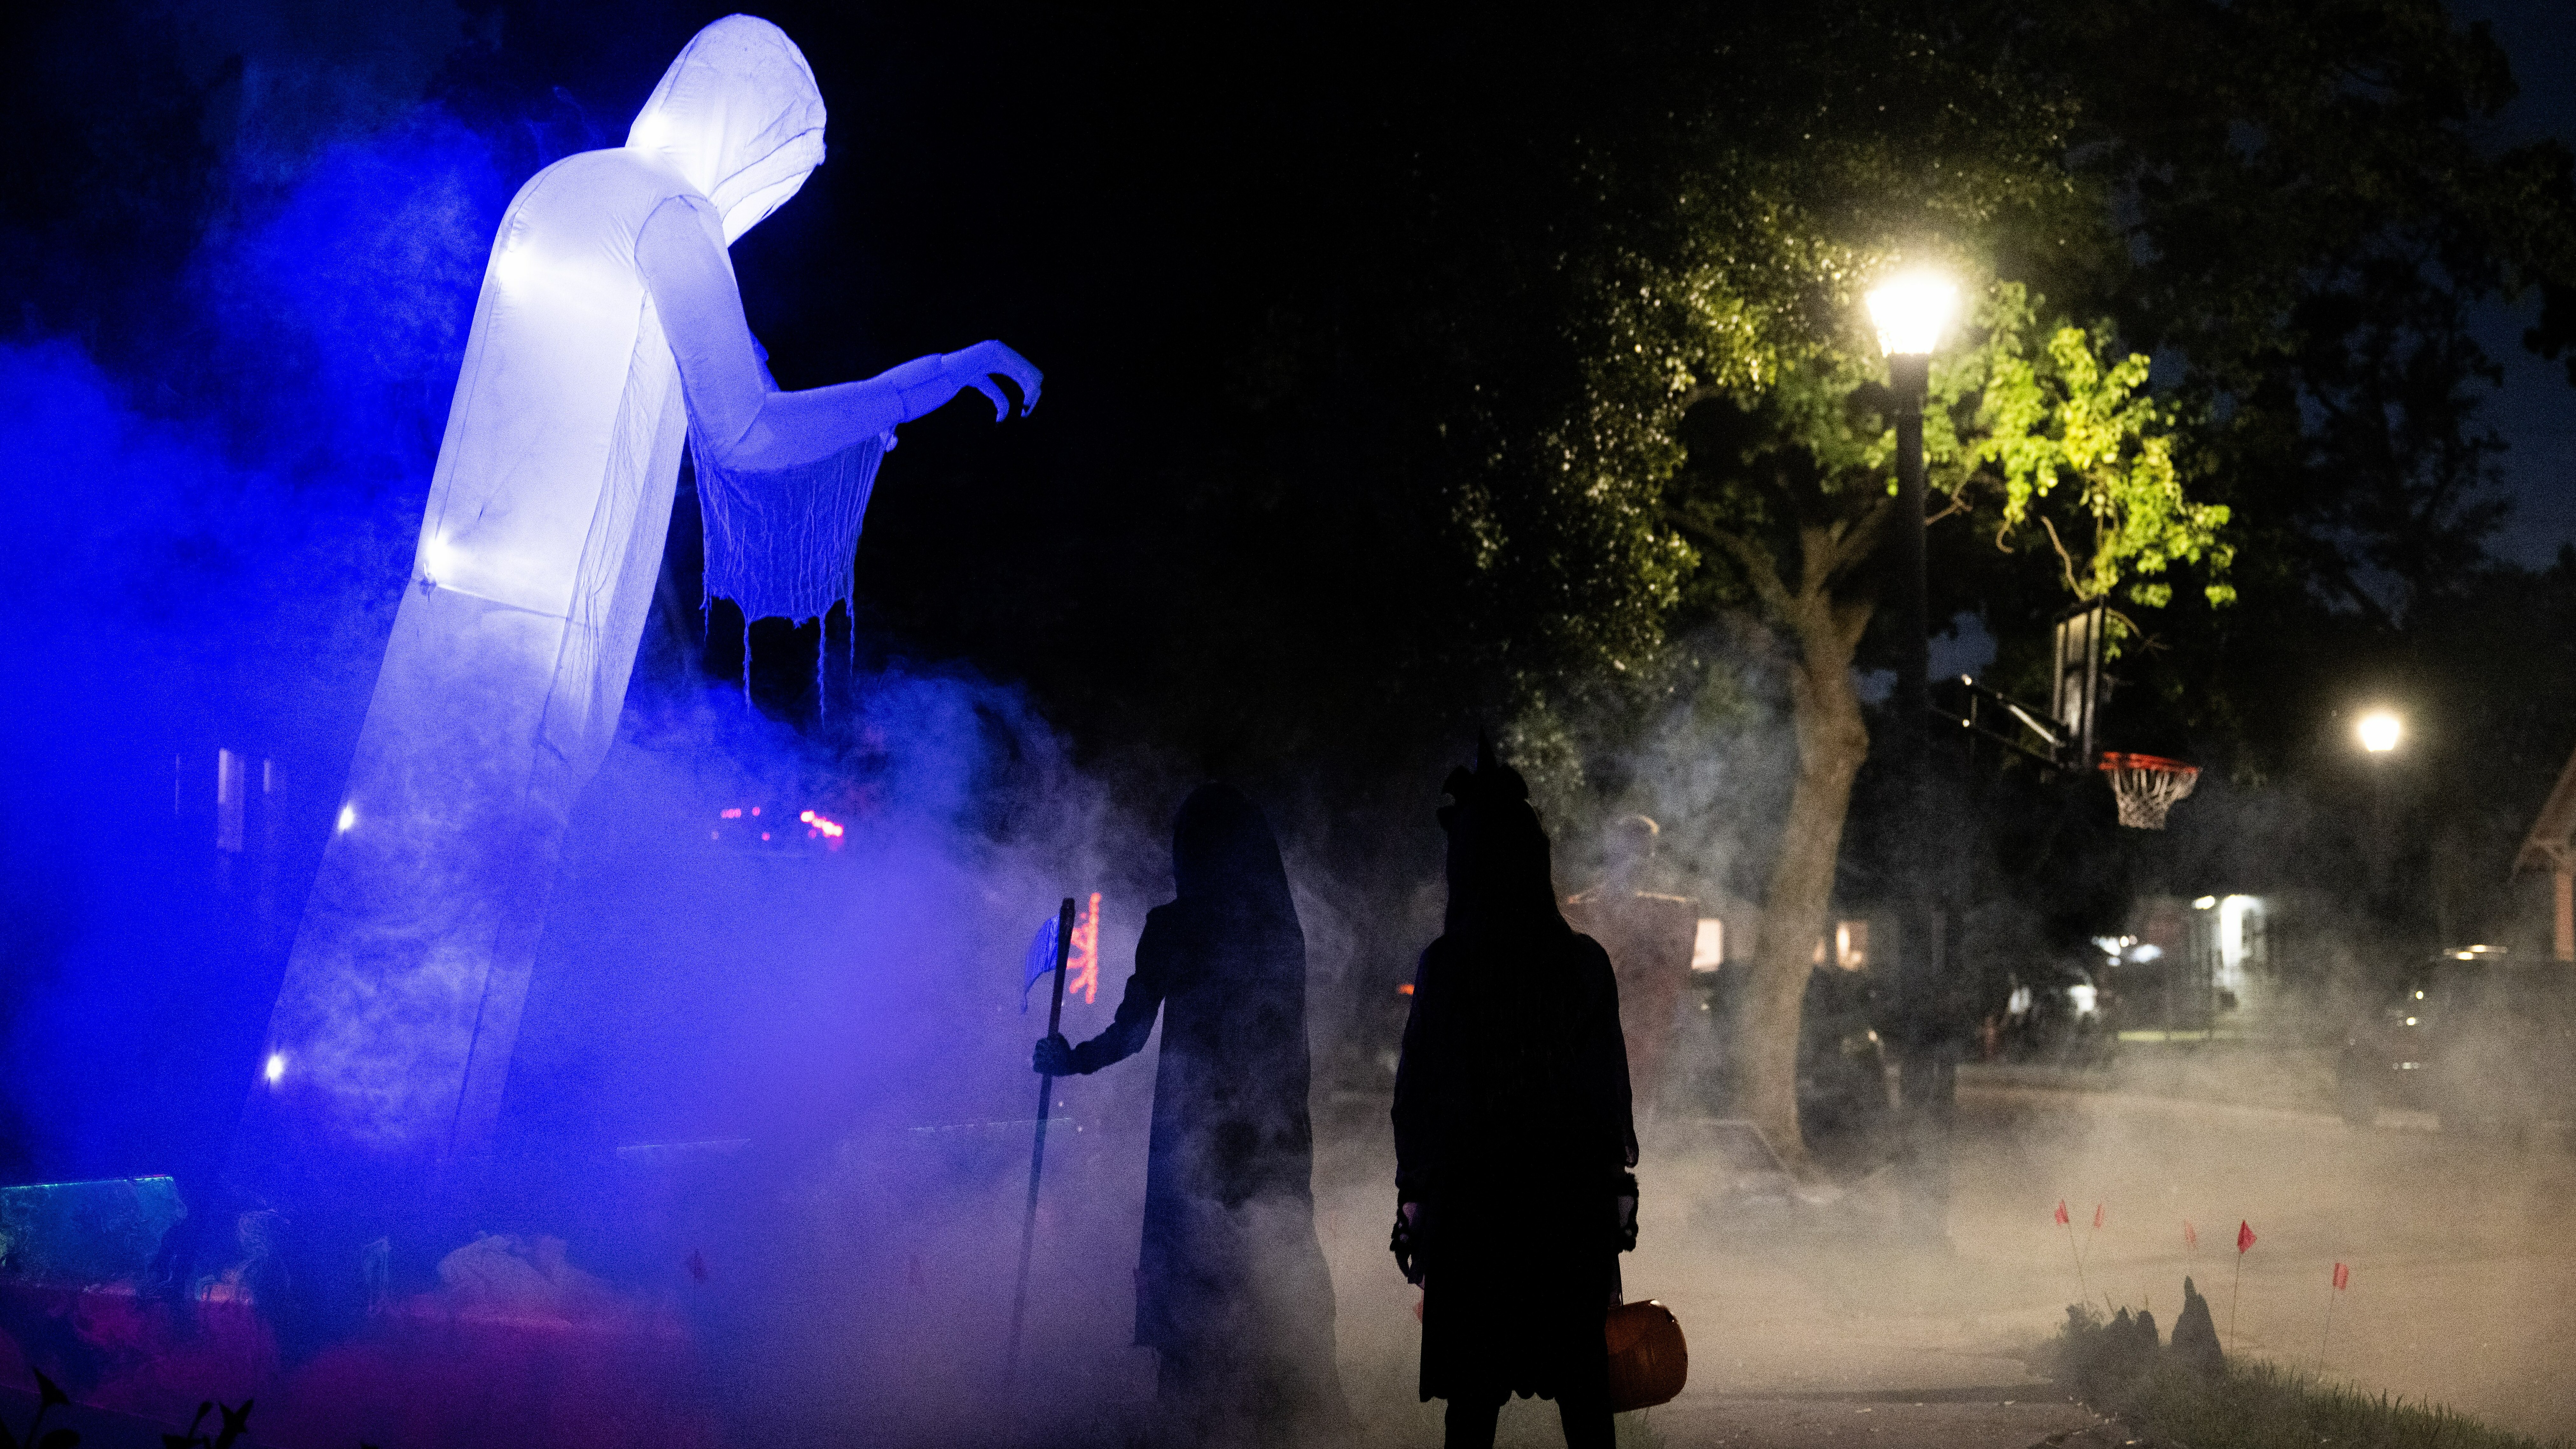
x: 2342, y: 1276
x: 2097, y: 1215
x: 2190, y: 1235
x: 2063, y: 1221
x: 2244, y: 1240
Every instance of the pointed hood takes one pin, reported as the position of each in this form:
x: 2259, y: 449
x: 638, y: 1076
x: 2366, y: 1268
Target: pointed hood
x: 1500, y: 881
x: 1225, y: 862
x: 739, y: 117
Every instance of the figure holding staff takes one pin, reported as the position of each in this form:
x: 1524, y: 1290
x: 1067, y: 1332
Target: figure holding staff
x: 1231, y: 1289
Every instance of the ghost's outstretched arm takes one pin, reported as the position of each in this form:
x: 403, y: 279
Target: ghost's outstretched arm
x: 742, y: 424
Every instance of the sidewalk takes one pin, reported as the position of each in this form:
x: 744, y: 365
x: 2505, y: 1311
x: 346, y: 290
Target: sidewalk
x: 1934, y: 1419
x: 2281, y: 1075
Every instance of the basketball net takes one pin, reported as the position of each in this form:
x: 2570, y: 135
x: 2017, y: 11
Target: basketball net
x: 2147, y: 786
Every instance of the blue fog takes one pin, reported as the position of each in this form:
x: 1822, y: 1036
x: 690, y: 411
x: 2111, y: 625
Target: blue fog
x: 207, y: 559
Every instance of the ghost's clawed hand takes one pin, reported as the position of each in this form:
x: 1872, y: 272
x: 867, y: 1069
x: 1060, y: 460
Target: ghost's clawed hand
x: 979, y: 365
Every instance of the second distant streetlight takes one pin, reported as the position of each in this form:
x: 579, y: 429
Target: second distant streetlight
x: 2379, y: 732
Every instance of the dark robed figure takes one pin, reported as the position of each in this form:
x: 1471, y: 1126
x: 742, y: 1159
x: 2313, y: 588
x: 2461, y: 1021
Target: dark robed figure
x: 1231, y: 1289
x: 1513, y: 1137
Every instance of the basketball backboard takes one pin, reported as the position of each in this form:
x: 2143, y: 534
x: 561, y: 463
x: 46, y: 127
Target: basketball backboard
x: 2078, y: 694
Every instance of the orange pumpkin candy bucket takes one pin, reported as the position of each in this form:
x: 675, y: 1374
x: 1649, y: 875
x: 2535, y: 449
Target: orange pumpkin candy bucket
x: 1649, y: 1361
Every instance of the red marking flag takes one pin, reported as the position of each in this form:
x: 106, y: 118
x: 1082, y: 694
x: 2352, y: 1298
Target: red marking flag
x: 2097, y: 1215
x: 2061, y: 1213
x: 2190, y: 1234
x: 2244, y: 1236
x: 2343, y: 1277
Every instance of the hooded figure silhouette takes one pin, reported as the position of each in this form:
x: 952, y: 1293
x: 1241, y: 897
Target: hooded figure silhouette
x: 1514, y: 1142
x: 608, y: 329
x: 1231, y: 1288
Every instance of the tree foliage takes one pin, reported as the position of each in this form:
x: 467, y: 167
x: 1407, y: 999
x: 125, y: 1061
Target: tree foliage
x: 2066, y: 412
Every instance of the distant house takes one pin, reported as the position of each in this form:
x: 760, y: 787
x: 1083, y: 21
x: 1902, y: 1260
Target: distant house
x: 2548, y: 847
x: 1729, y: 929
x: 2192, y: 969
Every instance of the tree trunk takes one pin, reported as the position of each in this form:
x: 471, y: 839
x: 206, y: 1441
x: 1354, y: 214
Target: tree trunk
x: 1832, y: 742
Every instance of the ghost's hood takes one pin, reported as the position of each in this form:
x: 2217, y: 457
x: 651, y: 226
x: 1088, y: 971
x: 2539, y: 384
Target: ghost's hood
x: 738, y: 116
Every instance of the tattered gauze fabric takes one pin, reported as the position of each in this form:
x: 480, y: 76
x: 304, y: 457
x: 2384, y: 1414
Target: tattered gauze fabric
x: 608, y: 326
x: 783, y: 509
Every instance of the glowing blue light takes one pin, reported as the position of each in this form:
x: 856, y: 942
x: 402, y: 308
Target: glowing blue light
x: 438, y: 557
x: 512, y: 265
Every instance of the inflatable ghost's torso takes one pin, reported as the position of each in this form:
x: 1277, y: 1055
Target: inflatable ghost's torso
x: 502, y: 682
x: 554, y: 480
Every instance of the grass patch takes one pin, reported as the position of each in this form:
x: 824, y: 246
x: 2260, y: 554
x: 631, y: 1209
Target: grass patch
x: 1638, y: 1431
x: 2260, y: 1406
x: 2248, y: 1404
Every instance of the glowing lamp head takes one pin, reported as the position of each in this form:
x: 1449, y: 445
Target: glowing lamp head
x: 1911, y: 311
x: 348, y: 818
x: 273, y: 1070
x: 2379, y: 731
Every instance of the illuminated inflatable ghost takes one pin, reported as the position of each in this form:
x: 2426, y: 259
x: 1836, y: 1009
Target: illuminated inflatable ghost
x: 608, y: 330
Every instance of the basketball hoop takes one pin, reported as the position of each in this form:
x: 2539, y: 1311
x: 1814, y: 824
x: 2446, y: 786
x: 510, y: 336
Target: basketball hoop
x: 2147, y: 786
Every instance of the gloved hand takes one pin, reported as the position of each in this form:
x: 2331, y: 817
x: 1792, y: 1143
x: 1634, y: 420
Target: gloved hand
x: 1405, y: 1241
x: 1052, y: 1057
x: 1627, y: 1208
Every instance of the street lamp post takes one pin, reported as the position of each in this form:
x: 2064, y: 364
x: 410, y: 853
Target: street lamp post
x: 1910, y: 313
x: 2380, y: 731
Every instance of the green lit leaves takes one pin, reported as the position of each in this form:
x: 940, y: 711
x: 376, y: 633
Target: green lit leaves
x: 2068, y: 412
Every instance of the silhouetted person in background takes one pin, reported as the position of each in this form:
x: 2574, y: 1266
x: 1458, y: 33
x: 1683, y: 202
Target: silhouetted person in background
x: 1231, y: 1289
x: 1513, y: 1139
x: 1649, y: 937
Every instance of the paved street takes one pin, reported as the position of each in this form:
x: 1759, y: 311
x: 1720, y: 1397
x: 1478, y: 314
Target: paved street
x: 2462, y: 1288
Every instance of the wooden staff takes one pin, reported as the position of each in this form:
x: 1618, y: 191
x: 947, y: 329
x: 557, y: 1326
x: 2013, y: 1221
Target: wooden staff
x: 1037, y: 1149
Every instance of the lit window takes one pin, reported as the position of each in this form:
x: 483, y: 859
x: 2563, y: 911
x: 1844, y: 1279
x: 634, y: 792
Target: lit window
x: 1851, y: 944
x: 232, y: 780
x: 1708, y: 946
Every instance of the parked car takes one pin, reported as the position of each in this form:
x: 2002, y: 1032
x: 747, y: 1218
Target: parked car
x: 2484, y: 1043
x: 1844, y: 1105
x: 2057, y: 1013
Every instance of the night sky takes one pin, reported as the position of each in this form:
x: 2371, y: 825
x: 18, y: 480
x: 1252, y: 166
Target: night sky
x: 2535, y: 409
